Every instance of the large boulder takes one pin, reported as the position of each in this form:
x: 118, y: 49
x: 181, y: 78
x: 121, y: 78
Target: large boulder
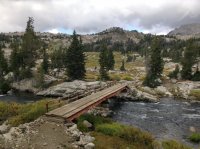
x: 25, y: 85
x: 71, y: 89
x: 135, y: 94
x: 161, y: 90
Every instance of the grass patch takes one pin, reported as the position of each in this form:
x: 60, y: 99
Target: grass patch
x: 127, y: 133
x: 115, y: 77
x: 121, y: 136
x: 195, y: 137
x: 91, y: 76
x: 106, y: 142
x: 94, y: 120
x: 172, y: 144
x: 195, y: 93
x: 17, y: 114
x: 127, y: 78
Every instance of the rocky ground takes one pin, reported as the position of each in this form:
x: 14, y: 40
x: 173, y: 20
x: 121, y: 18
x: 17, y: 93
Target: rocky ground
x: 44, y: 134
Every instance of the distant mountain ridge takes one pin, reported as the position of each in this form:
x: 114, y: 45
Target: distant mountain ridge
x: 186, y: 31
x: 113, y: 35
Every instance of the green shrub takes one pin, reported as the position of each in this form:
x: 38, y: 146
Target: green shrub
x: 195, y: 137
x: 4, y: 86
x: 127, y: 133
x: 151, y: 81
x: 196, y: 75
x: 112, y: 129
x: 172, y: 144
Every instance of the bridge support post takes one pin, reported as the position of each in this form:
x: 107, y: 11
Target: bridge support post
x: 47, y: 107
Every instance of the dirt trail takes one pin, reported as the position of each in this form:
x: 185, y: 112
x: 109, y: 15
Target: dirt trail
x: 39, y: 134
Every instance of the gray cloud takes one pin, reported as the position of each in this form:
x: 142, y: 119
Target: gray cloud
x: 155, y: 16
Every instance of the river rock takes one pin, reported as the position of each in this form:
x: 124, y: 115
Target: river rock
x: 10, y: 92
x: 87, y: 124
x: 173, y: 80
x: 163, y: 90
x: 85, y: 139
x: 101, y: 111
x: 192, y: 129
x: 89, y: 146
x: 72, y: 128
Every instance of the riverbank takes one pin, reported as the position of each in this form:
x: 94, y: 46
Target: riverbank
x: 103, y: 133
x: 44, y: 131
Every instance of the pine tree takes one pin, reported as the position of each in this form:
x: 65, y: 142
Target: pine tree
x: 103, y: 63
x: 174, y: 74
x: 45, y: 62
x: 30, y: 43
x: 3, y: 63
x: 122, y: 68
x: 188, y: 60
x: 58, y: 58
x: 15, y: 60
x: 196, y: 75
x: 110, y: 60
x: 4, y: 85
x: 75, y: 59
x: 155, y: 64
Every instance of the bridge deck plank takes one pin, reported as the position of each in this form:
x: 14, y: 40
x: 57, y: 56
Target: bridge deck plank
x: 78, y: 105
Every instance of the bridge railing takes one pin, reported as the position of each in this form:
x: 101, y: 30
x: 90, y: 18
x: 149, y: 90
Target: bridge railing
x: 55, y: 103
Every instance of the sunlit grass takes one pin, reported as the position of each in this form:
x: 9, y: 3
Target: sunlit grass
x: 92, y: 62
x: 172, y: 144
x: 17, y: 113
x: 195, y: 93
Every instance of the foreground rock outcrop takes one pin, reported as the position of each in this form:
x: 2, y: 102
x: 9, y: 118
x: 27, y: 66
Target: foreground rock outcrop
x: 45, y: 134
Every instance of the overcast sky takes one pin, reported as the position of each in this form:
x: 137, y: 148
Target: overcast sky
x: 89, y: 16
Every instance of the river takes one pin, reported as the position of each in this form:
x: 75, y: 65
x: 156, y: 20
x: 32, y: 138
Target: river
x: 20, y: 97
x: 167, y: 119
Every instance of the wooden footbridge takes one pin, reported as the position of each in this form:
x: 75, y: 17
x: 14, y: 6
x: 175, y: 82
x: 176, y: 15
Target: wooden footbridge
x: 75, y: 109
